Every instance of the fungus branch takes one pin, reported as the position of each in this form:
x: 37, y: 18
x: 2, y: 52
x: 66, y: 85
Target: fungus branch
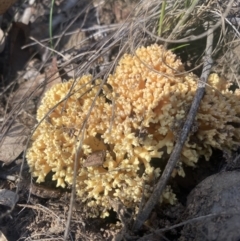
x: 158, y: 190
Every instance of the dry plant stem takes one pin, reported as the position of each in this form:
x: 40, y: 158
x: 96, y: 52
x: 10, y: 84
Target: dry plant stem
x: 48, y: 48
x: 73, y: 193
x: 103, y: 29
x: 143, y: 214
x: 43, y: 209
x: 85, y: 10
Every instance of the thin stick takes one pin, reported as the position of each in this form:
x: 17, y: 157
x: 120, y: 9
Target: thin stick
x: 73, y: 193
x: 143, y: 215
x: 51, y: 49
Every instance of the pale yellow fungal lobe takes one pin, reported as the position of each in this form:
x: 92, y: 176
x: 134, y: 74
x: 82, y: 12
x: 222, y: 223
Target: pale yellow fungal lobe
x: 139, y: 118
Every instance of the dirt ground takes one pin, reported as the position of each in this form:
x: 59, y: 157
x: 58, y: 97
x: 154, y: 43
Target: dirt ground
x: 28, y: 69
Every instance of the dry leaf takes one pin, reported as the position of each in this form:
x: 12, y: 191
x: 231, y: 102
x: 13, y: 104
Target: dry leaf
x: 95, y: 159
x: 75, y: 41
x: 52, y: 74
x: 13, y: 142
x: 8, y: 198
x: 29, y: 88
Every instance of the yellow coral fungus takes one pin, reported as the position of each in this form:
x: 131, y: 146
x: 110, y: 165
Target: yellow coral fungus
x: 150, y: 96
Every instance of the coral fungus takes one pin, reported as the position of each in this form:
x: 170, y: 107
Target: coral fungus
x: 135, y: 120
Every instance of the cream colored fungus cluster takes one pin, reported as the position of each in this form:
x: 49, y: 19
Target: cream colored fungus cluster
x: 137, y: 117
